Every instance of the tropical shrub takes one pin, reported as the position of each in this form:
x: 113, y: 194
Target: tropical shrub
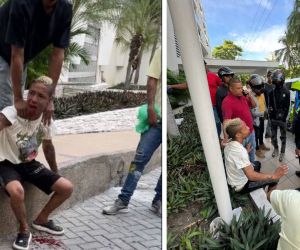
x: 93, y: 102
x: 252, y: 230
x: 130, y: 87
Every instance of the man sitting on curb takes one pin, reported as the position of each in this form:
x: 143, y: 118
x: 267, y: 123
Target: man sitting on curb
x: 241, y: 175
x: 20, y: 137
x: 150, y: 140
x: 286, y: 203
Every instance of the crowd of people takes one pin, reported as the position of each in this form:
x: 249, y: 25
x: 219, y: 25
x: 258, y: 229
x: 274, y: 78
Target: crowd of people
x: 244, y: 111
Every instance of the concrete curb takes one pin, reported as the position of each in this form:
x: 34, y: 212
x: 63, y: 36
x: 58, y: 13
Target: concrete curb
x: 90, y: 175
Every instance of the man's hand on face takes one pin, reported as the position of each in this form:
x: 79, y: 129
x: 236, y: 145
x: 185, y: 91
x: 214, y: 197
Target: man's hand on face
x: 152, y: 117
x: 21, y: 107
x: 48, y: 113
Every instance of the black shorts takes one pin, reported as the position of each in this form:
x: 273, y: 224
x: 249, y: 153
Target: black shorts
x: 253, y: 185
x: 33, y: 172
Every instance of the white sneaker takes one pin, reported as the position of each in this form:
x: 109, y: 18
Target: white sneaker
x: 117, y: 207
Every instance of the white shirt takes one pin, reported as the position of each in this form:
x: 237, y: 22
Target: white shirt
x: 20, y: 141
x: 286, y: 203
x: 236, y: 158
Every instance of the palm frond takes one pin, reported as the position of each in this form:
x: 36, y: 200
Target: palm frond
x: 75, y: 50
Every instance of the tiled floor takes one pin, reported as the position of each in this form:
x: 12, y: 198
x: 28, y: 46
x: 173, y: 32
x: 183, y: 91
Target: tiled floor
x: 269, y: 164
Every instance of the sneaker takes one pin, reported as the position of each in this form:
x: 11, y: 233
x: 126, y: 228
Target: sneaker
x: 49, y: 227
x: 281, y: 157
x: 117, y: 207
x: 156, y: 207
x: 260, y: 153
x: 297, y: 173
x: 22, y: 241
x: 264, y: 147
x: 275, y: 152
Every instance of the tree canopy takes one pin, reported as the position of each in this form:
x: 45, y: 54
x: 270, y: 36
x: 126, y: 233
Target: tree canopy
x: 137, y: 29
x: 290, y: 53
x: 228, y: 50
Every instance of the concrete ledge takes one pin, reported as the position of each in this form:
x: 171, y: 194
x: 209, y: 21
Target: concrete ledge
x: 260, y: 200
x: 90, y: 175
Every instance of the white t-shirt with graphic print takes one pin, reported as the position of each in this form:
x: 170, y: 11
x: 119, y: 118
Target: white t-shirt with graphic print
x: 19, y: 142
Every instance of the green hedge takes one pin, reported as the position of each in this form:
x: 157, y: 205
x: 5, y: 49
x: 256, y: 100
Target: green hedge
x: 130, y: 87
x: 94, y: 102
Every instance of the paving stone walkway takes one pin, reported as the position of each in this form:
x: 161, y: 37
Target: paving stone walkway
x: 87, y: 228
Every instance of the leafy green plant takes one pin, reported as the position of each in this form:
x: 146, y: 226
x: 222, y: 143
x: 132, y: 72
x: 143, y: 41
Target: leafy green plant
x: 193, y: 238
x: 253, y: 230
x: 171, y: 241
x: 186, y: 240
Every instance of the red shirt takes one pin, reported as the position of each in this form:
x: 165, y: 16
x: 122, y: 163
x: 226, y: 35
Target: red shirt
x: 237, y: 107
x: 213, y: 83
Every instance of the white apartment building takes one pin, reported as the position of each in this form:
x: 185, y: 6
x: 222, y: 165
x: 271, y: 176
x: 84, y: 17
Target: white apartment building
x: 108, y: 62
x: 173, y: 54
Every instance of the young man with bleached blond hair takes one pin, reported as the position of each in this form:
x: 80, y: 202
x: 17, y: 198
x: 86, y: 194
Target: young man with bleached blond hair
x: 241, y: 175
x: 20, y: 137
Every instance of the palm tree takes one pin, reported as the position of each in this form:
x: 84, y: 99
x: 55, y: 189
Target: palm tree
x: 137, y: 27
x: 288, y: 53
x: 88, y: 11
x: 293, y: 28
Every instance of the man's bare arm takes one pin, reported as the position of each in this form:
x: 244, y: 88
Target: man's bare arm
x: 55, y: 64
x: 251, y: 101
x: 49, y: 153
x: 16, y: 71
x: 151, y: 91
x: 179, y: 86
x: 256, y: 176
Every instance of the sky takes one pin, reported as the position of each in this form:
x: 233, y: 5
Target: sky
x: 255, y: 25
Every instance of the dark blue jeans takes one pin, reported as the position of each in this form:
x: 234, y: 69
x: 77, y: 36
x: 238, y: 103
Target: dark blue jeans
x: 149, y: 142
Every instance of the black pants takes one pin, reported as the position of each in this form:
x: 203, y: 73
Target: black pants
x: 259, y: 132
x: 282, y: 126
x: 253, y: 185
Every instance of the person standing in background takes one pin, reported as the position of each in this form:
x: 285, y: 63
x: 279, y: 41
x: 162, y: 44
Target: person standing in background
x: 258, y: 113
x: 150, y: 140
x: 279, y: 103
